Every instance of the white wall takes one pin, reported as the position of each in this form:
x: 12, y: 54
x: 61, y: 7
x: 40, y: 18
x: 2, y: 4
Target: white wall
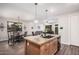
x: 70, y: 32
x: 63, y: 22
x: 3, y: 34
x: 75, y: 29
x: 35, y: 27
x: 29, y: 25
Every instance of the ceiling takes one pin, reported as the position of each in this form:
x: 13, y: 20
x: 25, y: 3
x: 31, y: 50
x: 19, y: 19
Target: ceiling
x: 26, y: 11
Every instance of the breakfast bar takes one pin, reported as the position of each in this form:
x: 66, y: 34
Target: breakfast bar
x: 37, y: 45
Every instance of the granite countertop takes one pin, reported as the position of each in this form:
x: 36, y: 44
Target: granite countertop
x: 40, y: 40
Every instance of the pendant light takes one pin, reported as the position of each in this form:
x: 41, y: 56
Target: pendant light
x: 36, y: 21
x: 18, y: 19
x: 46, y: 11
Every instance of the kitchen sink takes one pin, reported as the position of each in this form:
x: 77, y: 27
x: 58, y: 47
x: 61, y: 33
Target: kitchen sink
x: 48, y: 36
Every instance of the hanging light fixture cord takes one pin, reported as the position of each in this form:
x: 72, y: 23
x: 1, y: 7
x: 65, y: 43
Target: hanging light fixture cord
x: 36, y: 10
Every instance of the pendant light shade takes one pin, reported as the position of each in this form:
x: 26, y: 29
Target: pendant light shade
x: 36, y: 3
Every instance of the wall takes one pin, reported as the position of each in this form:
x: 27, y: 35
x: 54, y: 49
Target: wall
x: 75, y: 29
x: 3, y: 34
x: 63, y: 22
x: 35, y: 27
x: 70, y: 32
x: 29, y: 26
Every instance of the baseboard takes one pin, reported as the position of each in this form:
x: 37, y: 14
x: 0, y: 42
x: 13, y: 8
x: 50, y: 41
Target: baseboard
x: 70, y: 45
x: 65, y: 43
x: 3, y: 40
x: 74, y: 45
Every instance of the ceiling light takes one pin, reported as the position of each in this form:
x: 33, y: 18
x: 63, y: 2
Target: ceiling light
x: 36, y: 21
x: 51, y: 10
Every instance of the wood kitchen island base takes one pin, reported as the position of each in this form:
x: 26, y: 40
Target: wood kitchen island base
x: 41, y: 46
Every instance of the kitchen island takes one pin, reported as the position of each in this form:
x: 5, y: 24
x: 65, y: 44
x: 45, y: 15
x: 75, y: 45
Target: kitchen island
x: 37, y: 45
